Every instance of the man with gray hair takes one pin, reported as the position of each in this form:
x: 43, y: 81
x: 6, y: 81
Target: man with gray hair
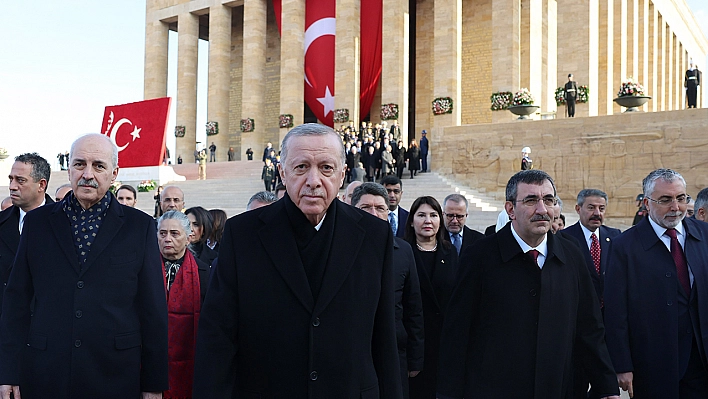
x: 594, y: 240
x: 315, y: 318
x: 700, y: 208
x: 261, y: 198
x: 656, y: 296
x: 373, y: 198
x: 91, y: 267
x: 455, y: 209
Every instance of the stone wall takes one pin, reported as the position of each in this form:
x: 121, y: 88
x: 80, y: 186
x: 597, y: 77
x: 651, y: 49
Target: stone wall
x: 613, y: 153
x: 236, y: 84
x: 476, y: 61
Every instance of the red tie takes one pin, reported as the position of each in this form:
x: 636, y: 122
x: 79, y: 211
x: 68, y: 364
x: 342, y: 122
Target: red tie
x: 534, y: 255
x: 680, y: 261
x: 595, y: 252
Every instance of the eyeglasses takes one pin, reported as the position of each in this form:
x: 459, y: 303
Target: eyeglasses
x: 681, y: 200
x: 451, y: 216
x: 533, y: 201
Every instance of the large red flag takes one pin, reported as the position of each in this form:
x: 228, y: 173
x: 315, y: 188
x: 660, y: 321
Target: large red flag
x: 371, y: 48
x: 138, y: 130
x: 320, y: 28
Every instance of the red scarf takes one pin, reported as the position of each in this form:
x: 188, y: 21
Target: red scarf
x: 183, y: 305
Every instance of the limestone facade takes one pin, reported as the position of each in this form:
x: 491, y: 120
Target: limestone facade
x: 463, y: 49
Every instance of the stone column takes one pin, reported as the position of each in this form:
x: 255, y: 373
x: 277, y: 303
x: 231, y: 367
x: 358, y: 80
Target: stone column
x: 644, y: 47
x: 292, y: 63
x: 346, y: 59
x: 550, y: 51
x: 633, y: 40
x: 394, y: 68
x: 662, y: 64
x: 187, y: 59
x: 579, y: 50
x: 620, y: 49
x: 506, y: 16
x: 253, y: 90
x: 670, y: 69
x: 219, y: 77
x: 537, y: 78
x: 653, y: 83
x: 156, y: 43
x: 447, y: 64
x: 605, y: 57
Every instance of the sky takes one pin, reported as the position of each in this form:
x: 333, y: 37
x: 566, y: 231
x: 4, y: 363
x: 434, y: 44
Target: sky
x: 62, y: 62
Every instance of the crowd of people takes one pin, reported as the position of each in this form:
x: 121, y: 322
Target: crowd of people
x: 307, y: 295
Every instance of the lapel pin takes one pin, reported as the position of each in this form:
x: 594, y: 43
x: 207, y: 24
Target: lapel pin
x: 442, y: 260
x: 607, y: 239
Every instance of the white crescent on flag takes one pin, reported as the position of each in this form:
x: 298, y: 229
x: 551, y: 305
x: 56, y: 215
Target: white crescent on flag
x: 321, y: 27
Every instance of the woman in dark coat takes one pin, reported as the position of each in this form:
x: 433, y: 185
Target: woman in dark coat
x: 202, y: 224
x: 400, y: 159
x: 413, y: 157
x: 436, y: 263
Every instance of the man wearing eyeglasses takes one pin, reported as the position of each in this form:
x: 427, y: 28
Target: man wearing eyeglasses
x: 524, y: 307
x: 455, y: 211
x: 656, y: 296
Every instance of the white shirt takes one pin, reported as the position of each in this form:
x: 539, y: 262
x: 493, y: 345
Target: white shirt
x: 542, y: 248
x: 23, y: 213
x: 319, y: 225
x: 680, y: 235
x: 588, y: 233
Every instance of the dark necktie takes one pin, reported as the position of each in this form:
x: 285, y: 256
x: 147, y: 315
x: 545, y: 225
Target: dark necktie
x: 534, y: 255
x: 680, y: 261
x: 595, y: 252
x: 457, y: 242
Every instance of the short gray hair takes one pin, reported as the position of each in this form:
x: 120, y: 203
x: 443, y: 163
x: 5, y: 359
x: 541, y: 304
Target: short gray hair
x: 559, y: 202
x: 701, y: 200
x: 458, y: 198
x: 531, y: 176
x: 666, y: 175
x: 369, y: 188
x: 264, y: 197
x: 590, y: 192
x: 40, y: 166
x: 114, y: 149
x: 178, y: 216
x: 310, y: 129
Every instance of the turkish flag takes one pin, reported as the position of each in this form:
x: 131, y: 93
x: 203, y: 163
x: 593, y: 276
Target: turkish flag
x: 138, y: 130
x: 320, y: 28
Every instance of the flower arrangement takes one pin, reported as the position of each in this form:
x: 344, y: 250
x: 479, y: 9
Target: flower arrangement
x: 179, y: 131
x: 442, y: 105
x: 341, y: 115
x: 248, y: 125
x: 630, y: 88
x: 583, y: 95
x: 389, y: 112
x: 501, y: 100
x: 115, y: 186
x: 285, y: 121
x: 212, y: 128
x: 522, y: 97
x: 147, y: 186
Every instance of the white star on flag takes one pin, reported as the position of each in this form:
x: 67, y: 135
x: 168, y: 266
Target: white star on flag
x: 327, y: 101
x: 136, y: 133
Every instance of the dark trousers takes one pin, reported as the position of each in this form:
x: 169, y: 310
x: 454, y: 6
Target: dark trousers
x: 404, y: 371
x: 399, y: 170
x: 694, y: 384
x: 570, y: 105
x: 424, y: 161
x: 691, y: 95
x: 267, y: 184
x: 212, y: 157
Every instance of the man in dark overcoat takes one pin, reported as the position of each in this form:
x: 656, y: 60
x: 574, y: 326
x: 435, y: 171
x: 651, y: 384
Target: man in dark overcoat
x: 524, y: 306
x: 314, y: 319
x: 570, y: 92
x: 92, y: 269
x: 29, y: 177
x: 656, y: 296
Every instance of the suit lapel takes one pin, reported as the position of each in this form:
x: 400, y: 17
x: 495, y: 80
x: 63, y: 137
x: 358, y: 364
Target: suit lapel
x: 286, y: 259
x: 110, y: 227
x: 62, y: 232
x: 605, y: 241
x: 426, y: 283
x: 347, y: 239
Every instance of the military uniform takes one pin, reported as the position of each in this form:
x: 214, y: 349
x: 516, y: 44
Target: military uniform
x: 571, y: 95
x: 691, y: 82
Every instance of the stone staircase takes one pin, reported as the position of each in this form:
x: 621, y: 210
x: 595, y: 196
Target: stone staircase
x: 229, y: 185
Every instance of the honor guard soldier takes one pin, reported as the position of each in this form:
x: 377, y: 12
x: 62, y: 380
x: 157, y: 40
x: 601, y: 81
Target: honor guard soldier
x: 571, y: 95
x: 691, y: 82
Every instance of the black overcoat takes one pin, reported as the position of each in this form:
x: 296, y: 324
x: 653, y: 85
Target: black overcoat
x: 96, y: 332
x: 512, y: 329
x: 261, y: 333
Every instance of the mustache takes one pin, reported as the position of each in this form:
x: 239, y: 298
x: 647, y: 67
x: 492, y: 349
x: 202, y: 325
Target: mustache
x: 537, y: 218
x: 674, y: 214
x: 596, y: 218
x: 313, y: 193
x: 90, y: 183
